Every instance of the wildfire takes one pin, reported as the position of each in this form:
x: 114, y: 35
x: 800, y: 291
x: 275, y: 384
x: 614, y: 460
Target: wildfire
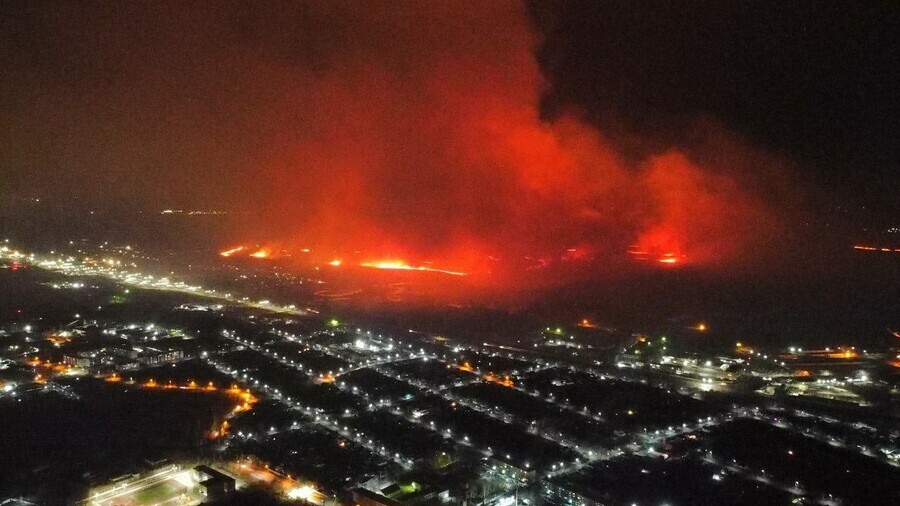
x: 232, y: 251
x: 877, y: 248
x: 335, y: 263
x: 403, y: 266
x: 258, y: 253
x: 644, y: 254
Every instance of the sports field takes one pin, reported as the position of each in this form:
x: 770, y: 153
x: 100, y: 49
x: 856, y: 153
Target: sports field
x: 164, y: 488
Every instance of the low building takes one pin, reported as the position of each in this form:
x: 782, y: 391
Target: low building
x: 364, y: 497
x: 84, y: 359
x: 213, y: 484
x: 567, y: 494
x: 510, y: 471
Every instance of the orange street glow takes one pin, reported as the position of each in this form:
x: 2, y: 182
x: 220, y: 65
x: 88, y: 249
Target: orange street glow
x: 845, y: 354
x: 505, y: 381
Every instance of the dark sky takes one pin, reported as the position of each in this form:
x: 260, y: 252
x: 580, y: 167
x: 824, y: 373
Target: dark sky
x: 817, y: 81
x: 455, y: 129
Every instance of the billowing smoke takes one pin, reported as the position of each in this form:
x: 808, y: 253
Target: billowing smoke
x: 402, y: 130
x: 420, y: 136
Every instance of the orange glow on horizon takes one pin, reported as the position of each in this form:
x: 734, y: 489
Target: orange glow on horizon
x: 876, y: 248
x: 471, y: 171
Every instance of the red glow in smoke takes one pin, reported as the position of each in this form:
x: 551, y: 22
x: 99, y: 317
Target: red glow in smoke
x: 428, y: 143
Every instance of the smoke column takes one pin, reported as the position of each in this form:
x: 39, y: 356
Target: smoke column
x: 420, y: 136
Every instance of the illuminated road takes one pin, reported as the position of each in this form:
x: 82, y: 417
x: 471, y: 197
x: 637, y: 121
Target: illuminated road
x: 68, y: 266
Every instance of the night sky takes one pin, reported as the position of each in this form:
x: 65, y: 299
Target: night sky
x: 815, y: 82
x: 713, y: 132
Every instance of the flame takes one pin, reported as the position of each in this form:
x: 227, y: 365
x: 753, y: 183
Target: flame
x: 232, y: 251
x: 649, y: 251
x: 261, y: 253
x: 403, y: 266
x: 335, y: 263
